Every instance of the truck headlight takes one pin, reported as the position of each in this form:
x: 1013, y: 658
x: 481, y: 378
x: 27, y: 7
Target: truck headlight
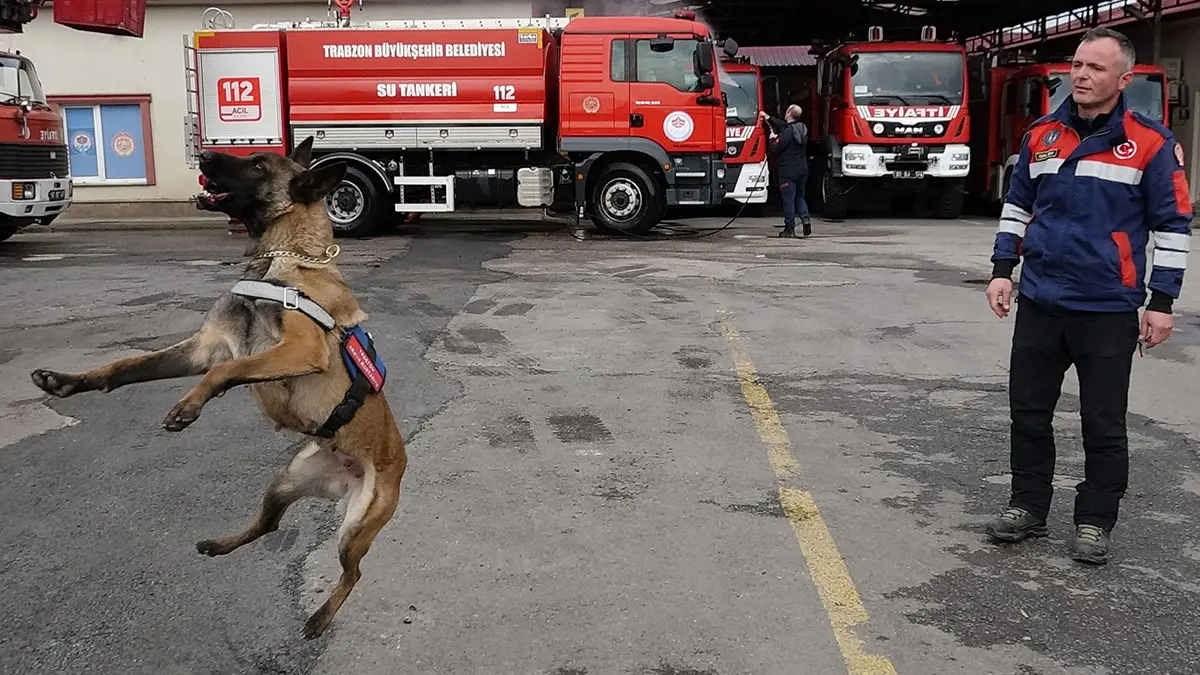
x: 960, y: 157
x: 854, y: 156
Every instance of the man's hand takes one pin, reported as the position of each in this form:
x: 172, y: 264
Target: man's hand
x: 762, y: 114
x: 1156, y: 327
x: 999, y: 295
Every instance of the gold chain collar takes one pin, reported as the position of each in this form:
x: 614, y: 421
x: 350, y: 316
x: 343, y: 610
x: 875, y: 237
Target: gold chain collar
x: 330, y: 253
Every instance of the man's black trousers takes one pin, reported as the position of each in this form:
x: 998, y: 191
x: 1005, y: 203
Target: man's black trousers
x: 1047, y: 341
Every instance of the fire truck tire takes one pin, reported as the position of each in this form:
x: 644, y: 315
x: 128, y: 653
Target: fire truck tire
x: 627, y: 199
x: 833, y: 201
x: 357, y: 207
x: 8, y: 228
x: 949, y: 201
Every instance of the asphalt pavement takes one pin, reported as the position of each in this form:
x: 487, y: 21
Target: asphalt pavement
x: 682, y: 456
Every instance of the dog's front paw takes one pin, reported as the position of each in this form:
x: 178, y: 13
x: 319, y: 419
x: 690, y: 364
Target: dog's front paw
x: 61, y: 385
x: 182, y: 415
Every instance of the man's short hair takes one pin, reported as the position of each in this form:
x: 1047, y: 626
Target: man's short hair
x: 793, y: 113
x: 1126, y: 45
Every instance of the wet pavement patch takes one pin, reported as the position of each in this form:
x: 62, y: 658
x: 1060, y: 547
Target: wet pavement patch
x: 579, y: 427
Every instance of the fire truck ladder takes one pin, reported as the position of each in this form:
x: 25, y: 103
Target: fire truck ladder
x: 191, y: 119
x: 212, y: 19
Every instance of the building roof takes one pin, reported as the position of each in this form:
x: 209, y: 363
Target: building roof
x: 791, y: 55
x: 764, y: 22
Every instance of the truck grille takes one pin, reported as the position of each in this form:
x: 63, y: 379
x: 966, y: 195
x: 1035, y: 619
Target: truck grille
x: 33, y: 161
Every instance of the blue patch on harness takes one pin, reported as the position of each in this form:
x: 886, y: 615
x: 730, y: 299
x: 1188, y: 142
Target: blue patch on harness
x: 361, y: 358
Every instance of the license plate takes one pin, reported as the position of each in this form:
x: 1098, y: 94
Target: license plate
x: 58, y: 195
x: 906, y: 174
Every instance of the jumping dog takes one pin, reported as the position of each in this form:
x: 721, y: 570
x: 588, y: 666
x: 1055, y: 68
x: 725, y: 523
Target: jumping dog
x: 290, y: 330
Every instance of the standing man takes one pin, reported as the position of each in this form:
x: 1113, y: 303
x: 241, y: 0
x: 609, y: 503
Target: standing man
x: 1095, y: 181
x: 1093, y: 184
x: 789, y: 141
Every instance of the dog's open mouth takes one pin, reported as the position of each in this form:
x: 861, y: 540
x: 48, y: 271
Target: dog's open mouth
x: 211, y: 194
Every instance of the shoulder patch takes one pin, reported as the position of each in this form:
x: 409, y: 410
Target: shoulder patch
x: 1179, y: 153
x: 1045, y: 155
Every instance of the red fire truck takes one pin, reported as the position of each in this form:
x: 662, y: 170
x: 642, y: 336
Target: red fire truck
x: 1017, y: 90
x: 745, y: 137
x: 608, y: 118
x: 35, y: 179
x: 891, y: 119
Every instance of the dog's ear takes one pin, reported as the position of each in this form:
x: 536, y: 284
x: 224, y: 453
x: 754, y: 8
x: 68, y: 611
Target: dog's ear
x: 312, y: 185
x: 302, y: 155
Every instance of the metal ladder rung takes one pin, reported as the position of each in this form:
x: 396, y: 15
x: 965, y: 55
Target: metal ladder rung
x: 446, y: 182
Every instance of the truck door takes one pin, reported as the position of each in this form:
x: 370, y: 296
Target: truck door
x: 595, y: 105
x: 664, y: 96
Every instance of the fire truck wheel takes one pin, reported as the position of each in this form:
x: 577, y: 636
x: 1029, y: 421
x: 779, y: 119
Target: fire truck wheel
x: 833, y: 201
x: 628, y: 199
x: 949, y: 201
x: 8, y: 228
x: 356, y: 207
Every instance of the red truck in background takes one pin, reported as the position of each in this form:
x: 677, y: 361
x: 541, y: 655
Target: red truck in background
x: 745, y: 135
x: 1014, y: 91
x: 891, y: 119
x: 609, y: 118
x: 35, y: 177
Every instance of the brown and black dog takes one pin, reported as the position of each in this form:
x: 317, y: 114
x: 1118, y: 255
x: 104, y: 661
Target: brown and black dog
x: 267, y: 337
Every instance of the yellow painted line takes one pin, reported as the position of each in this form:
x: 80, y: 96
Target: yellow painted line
x: 826, y: 566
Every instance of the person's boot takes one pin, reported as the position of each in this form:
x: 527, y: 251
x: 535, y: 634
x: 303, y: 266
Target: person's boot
x: 1016, y: 524
x: 807, y: 225
x: 788, y: 233
x: 1090, y: 545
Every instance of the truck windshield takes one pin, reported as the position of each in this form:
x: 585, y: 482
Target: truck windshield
x: 1143, y: 95
x: 742, y: 91
x: 19, y: 82
x: 908, y: 78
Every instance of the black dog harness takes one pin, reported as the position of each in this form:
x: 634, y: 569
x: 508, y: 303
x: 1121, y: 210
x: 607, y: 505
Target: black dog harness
x: 366, y: 368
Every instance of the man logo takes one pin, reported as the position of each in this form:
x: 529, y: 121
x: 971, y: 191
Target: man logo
x: 1126, y: 150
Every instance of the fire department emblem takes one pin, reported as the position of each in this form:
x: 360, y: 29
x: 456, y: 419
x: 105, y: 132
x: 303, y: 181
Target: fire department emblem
x: 1125, y: 150
x: 81, y: 142
x: 678, y: 126
x: 591, y: 105
x: 123, y: 144
x: 1179, y: 153
x: 1050, y: 137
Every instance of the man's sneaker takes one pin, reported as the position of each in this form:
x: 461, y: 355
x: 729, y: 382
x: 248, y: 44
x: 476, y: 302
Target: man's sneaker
x: 788, y: 233
x: 807, y: 225
x: 1016, y: 524
x: 1090, y: 545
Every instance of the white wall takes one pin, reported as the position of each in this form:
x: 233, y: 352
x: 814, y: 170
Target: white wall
x: 74, y: 62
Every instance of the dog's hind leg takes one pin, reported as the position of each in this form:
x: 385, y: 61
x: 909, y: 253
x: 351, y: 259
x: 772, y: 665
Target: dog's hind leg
x: 315, y: 471
x: 370, y: 506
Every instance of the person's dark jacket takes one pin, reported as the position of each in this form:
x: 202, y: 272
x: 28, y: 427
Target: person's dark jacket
x: 790, y: 147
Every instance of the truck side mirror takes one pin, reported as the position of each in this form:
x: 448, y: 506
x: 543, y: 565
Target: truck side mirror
x: 662, y: 44
x: 707, y: 82
x: 730, y: 46
x: 703, y: 60
x: 1185, y: 96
